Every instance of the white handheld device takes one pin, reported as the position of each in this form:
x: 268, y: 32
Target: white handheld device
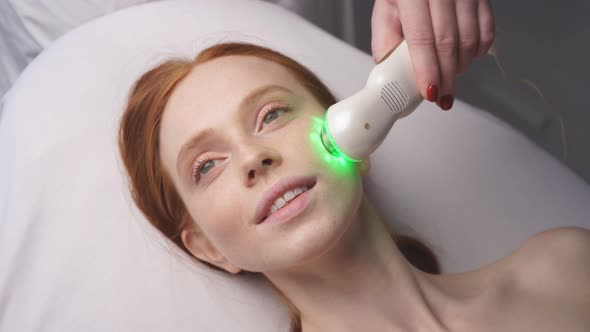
x: 357, y: 125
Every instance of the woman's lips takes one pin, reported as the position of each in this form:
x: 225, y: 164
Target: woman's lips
x: 291, y: 210
x: 277, y: 190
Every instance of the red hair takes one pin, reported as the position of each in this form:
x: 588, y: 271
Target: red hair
x: 150, y: 185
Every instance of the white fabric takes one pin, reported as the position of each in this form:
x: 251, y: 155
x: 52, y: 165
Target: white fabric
x: 27, y: 27
x: 17, y: 47
x: 46, y: 20
x: 75, y: 253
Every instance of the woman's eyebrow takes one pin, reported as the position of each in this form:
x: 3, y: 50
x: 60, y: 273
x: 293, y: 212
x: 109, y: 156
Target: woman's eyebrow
x: 247, y: 103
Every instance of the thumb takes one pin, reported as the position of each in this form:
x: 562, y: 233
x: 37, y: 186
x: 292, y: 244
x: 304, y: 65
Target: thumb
x: 386, y: 29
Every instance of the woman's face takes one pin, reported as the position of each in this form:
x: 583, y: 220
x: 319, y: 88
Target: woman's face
x: 245, y: 150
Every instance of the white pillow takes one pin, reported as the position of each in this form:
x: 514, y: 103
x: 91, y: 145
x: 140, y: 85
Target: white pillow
x: 46, y: 20
x: 27, y: 27
x: 75, y: 253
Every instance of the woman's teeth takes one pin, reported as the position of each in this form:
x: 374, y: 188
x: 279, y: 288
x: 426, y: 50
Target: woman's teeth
x: 287, y: 196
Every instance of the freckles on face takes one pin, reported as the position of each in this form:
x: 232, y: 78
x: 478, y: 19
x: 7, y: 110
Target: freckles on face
x: 223, y: 201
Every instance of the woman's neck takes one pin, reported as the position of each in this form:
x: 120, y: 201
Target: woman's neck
x: 363, y: 283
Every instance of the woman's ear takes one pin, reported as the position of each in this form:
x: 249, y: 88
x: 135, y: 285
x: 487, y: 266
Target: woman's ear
x: 197, y: 243
x: 364, y: 166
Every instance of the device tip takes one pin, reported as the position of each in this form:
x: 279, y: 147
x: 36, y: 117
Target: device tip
x: 327, y: 142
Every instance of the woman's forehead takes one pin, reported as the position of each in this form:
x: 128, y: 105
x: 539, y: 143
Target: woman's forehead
x: 241, y: 72
x: 224, y: 81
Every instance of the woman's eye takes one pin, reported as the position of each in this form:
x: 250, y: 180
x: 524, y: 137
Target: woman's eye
x: 202, y: 167
x: 270, y: 116
x: 206, y: 167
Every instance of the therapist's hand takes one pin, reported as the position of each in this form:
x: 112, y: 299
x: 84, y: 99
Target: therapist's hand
x: 443, y: 36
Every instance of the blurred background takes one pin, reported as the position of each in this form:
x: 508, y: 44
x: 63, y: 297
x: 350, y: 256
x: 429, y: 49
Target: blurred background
x: 535, y: 80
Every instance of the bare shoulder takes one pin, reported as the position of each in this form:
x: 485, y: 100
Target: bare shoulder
x: 555, y: 262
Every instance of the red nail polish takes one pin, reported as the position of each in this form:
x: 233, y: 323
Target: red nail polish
x: 432, y: 92
x: 446, y: 102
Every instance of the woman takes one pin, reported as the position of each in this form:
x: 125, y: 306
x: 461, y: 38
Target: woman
x: 223, y: 159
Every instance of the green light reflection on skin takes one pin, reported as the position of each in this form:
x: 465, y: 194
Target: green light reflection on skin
x: 340, y: 163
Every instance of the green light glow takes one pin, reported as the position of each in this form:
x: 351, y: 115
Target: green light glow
x: 339, y: 163
x: 331, y: 145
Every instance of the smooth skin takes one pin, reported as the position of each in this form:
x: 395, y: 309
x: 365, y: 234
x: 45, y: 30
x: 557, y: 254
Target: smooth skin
x: 443, y: 38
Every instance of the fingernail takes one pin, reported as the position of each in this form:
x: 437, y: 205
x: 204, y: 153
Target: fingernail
x: 432, y: 93
x: 446, y: 102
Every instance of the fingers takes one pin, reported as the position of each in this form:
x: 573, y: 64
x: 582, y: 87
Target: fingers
x: 443, y: 37
x: 386, y: 29
x: 446, y: 38
x: 468, y: 25
x: 487, y: 29
x: 418, y: 32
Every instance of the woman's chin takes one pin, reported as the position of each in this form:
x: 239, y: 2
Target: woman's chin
x: 314, y: 231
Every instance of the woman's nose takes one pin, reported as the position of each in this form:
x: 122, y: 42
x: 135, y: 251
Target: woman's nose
x: 259, y: 161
